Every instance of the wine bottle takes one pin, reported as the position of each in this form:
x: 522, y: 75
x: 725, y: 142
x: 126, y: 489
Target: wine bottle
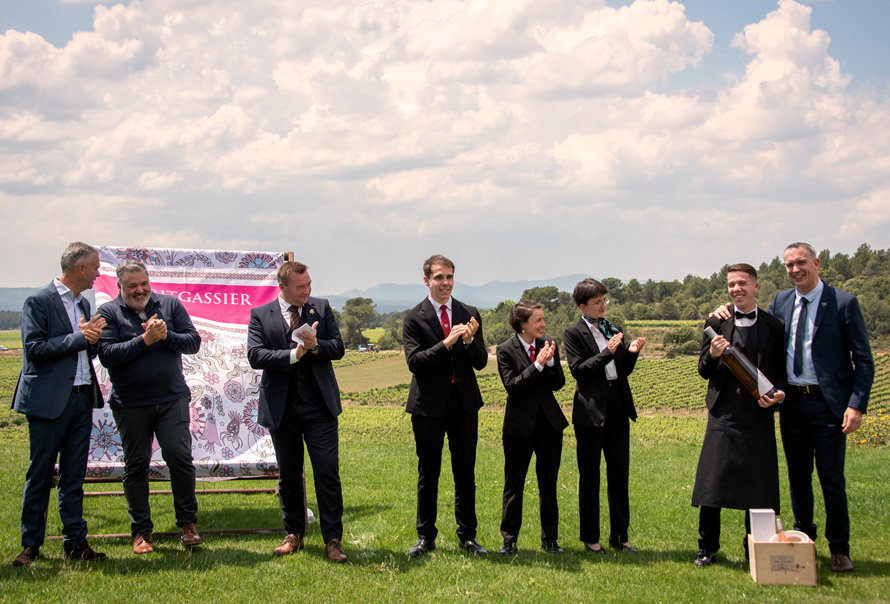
x: 780, y: 532
x: 741, y: 366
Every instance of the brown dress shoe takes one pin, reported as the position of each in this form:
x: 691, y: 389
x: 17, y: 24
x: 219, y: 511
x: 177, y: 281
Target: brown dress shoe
x: 334, y: 550
x: 142, y: 543
x: 83, y: 551
x: 189, y: 536
x: 841, y: 563
x: 28, y: 555
x: 291, y: 544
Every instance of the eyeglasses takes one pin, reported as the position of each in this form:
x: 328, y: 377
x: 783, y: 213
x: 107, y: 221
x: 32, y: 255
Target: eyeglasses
x: 600, y: 303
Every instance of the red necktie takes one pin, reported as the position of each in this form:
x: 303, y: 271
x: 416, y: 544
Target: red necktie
x: 446, y: 326
x: 531, y: 352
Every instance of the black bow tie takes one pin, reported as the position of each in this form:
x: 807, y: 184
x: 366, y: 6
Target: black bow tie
x: 746, y: 315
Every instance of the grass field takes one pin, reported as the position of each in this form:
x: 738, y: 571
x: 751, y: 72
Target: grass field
x: 378, y: 470
x: 11, y: 338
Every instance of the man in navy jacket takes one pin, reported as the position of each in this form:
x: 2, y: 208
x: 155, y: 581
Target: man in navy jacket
x: 57, y: 390
x: 142, y: 348
x: 830, y: 373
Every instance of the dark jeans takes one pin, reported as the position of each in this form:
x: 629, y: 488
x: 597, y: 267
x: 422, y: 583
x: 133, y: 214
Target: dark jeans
x: 613, y: 441
x: 546, y: 444
x: 709, y: 528
x: 169, y: 422
x: 310, y: 421
x: 811, y: 431
x: 462, y: 429
x: 67, y: 438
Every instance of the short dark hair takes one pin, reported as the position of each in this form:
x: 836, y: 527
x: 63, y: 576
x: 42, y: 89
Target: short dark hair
x: 288, y: 268
x: 128, y: 265
x: 76, y: 253
x: 806, y: 246
x: 743, y: 268
x: 435, y: 259
x: 521, y: 312
x: 587, y: 289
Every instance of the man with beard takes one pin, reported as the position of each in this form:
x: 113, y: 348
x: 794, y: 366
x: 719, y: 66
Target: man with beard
x: 142, y: 347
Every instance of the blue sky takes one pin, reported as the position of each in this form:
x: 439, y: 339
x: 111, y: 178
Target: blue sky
x: 627, y: 139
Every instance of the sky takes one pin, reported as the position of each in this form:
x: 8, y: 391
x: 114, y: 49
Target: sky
x: 522, y: 139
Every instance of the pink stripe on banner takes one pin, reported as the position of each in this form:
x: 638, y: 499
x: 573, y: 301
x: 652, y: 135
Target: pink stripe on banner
x: 214, y: 302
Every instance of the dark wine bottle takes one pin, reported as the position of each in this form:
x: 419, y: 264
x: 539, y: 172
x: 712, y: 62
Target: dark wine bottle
x: 741, y: 366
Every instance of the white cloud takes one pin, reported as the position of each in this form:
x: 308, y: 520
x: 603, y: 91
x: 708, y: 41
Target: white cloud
x: 423, y: 123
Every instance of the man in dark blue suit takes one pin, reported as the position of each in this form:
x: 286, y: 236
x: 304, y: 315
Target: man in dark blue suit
x: 300, y: 400
x: 830, y: 373
x: 57, y: 391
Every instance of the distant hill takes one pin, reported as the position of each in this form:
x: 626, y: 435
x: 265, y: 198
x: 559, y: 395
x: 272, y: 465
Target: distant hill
x: 391, y: 297
x: 13, y: 298
x: 388, y: 297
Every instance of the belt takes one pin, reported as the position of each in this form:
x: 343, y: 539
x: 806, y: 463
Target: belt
x: 806, y: 388
x: 81, y: 388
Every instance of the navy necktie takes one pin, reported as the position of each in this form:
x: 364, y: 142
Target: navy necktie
x: 798, y: 337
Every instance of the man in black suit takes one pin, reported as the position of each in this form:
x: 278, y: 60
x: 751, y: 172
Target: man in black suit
x: 443, y: 344
x: 300, y: 400
x: 738, y: 467
x: 600, y: 362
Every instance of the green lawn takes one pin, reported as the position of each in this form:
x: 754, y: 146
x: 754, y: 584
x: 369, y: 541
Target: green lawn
x: 11, y: 338
x: 378, y: 469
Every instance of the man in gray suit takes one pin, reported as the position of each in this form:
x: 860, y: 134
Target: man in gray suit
x: 57, y: 391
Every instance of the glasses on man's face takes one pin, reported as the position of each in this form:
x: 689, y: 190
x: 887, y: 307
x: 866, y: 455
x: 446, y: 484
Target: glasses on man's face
x: 600, y: 303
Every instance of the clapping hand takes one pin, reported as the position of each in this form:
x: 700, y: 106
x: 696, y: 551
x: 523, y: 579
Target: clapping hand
x: 546, y: 353
x: 92, y: 329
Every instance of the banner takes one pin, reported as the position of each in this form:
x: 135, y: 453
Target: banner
x: 218, y: 289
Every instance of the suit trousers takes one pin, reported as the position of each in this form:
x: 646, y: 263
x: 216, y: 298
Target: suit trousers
x: 612, y: 439
x: 309, y: 420
x: 67, y: 438
x: 546, y: 444
x: 462, y: 429
x: 709, y: 529
x: 169, y: 422
x: 811, y: 431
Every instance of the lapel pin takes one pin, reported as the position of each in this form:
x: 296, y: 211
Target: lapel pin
x: 311, y: 311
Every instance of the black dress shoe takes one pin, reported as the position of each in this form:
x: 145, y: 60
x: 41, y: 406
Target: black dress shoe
x: 628, y: 549
x: 704, y: 557
x: 83, y: 551
x: 421, y: 547
x: 551, y: 547
x: 472, y: 546
x: 509, y: 548
x: 589, y: 547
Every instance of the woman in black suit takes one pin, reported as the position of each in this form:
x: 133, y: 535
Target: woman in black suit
x: 533, y: 423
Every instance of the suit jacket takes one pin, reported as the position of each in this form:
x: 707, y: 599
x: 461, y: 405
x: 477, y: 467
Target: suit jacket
x: 433, y: 365
x: 49, y: 361
x: 587, y: 364
x: 529, y: 389
x: 770, y: 354
x: 842, y: 355
x: 268, y: 348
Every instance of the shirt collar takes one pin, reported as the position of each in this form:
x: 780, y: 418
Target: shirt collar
x: 437, y: 305
x: 814, y: 294
x: 525, y: 344
x: 285, y: 305
x: 64, y: 290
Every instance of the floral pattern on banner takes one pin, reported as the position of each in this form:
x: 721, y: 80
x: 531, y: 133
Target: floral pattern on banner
x: 227, y: 441
x: 196, y: 258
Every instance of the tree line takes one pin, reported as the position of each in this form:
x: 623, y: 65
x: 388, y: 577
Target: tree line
x: 865, y: 274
